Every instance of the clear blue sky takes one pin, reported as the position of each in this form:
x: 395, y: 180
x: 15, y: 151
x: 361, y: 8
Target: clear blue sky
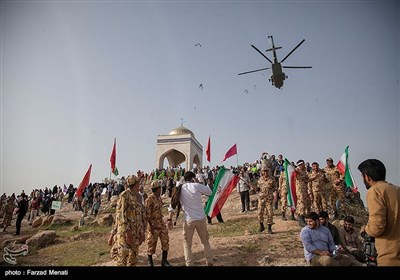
x: 76, y: 74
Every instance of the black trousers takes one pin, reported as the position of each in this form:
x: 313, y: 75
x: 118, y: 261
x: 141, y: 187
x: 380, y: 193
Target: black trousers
x: 219, y: 218
x: 245, y: 198
x: 18, y: 222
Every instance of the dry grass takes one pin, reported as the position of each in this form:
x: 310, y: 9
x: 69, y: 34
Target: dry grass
x: 77, y: 253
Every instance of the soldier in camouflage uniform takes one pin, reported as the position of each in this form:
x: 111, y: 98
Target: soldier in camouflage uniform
x: 330, y: 170
x: 267, y: 185
x: 317, y: 181
x: 130, y: 225
x: 8, y: 209
x: 303, y: 200
x: 156, y: 228
x: 283, y: 191
x: 338, y: 194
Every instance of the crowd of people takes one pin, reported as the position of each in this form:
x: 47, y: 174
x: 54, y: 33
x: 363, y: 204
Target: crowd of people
x: 139, y: 216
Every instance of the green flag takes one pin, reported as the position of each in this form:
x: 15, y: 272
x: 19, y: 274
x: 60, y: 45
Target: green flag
x: 155, y: 175
x: 115, y: 171
x: 162, y: 175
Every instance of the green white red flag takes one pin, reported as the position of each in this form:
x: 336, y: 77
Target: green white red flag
x: 344, y: 168
x: 224, y: 184
x: 290, y: 176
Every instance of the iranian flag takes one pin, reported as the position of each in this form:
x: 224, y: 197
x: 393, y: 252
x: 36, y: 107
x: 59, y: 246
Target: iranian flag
x: 344, y: 168
x: 290, y: 176
x: 224, y: 184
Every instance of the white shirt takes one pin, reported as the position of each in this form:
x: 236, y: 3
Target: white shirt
x: 191, y: 200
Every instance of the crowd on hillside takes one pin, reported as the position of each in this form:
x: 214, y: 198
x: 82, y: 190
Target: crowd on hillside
x: 321, y: 195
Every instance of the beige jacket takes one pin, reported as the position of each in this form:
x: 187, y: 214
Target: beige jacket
x: 383, y: 200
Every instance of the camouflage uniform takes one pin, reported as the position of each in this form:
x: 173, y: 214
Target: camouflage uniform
x: 157, y: 227
x: 130, y: 216
x: 318, y: 181
x: 283, y: 191
x: 338, y: 193
x: 303, y: 200
x: 266, y: 198
x: 8, y: 210
x: 330, y: 189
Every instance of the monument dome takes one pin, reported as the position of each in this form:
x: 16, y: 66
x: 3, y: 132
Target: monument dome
x: 181, y: 130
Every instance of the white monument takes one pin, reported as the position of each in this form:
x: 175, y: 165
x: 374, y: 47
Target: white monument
x: 179, y: 146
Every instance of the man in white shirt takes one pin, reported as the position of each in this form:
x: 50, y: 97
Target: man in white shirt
x: 195, y: 217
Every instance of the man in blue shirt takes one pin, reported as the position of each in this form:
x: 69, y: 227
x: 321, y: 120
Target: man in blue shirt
x: 319, y: 248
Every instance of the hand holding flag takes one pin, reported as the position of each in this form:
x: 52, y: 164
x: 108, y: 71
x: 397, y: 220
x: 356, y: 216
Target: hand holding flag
x: 344, y: 167
x: 224, y: 184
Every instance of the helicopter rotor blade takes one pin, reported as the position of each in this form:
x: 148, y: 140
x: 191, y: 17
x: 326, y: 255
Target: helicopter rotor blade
x: 262, y: 54
x: 293, y: 50
x: 254, y: 71
x: 296, y: 66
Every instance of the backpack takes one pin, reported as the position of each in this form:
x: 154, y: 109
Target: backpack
x: 175, y: 197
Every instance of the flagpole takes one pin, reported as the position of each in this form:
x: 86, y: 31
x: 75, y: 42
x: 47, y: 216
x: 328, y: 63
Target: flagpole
x: 237, y: 160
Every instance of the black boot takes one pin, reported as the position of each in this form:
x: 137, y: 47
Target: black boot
x: 262, y: 228
x: 283, y: 216
x: 292, y: 217
x: 302, y: 221
x: 270, y: 229
x: 164, y: 261
x: 150, y: 260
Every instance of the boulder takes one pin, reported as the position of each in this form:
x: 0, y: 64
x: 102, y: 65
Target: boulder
x: 41, y: 239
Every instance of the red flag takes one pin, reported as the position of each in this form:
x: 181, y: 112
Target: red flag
x: 85, y: 182
x: 208, y: 150
x: 232, y: 151
x: 113, y: 156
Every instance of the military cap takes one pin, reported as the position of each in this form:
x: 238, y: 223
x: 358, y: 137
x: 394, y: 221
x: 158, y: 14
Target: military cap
x: 132, y: 180
x: 155, y: 184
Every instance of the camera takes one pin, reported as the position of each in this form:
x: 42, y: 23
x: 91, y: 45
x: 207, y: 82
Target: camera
x: 369, y: 249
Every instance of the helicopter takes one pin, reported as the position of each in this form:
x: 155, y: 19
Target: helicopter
x: 277, y: 76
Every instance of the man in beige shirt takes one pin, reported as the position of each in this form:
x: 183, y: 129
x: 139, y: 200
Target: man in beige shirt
x: 383, y: 201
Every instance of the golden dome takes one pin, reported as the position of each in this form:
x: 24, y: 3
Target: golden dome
x: 181, y: 130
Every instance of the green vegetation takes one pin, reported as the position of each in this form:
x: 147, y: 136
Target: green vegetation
x: 90, y: 250
x: 78, y: 253
x: 235, y: 227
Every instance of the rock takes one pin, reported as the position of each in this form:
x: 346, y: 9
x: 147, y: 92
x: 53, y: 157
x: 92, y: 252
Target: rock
x: 41, y: 239
x: 105, y: 220
x: 60, y: 220
x: 37, y: 222
x: 47, y: 220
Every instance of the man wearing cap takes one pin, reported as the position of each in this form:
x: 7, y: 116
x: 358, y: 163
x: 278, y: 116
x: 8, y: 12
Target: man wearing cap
x: 129, y: 226
x: 157, y: 228
x: 303, y: 206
